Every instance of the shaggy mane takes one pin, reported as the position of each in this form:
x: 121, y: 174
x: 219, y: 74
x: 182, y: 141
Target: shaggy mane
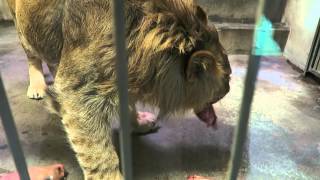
x: 170, y: 24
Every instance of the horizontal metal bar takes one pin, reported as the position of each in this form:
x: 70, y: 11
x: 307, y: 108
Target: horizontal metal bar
x: 12, y: 135
x: 122, y: 83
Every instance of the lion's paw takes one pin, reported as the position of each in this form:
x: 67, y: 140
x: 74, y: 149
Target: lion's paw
x: 36, y: 91
x: 146, y: 123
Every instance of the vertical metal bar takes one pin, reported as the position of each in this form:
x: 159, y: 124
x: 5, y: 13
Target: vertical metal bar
x: 122, y: 82
x: 242, y: 127
x: 241, y: 131
x: 316, y: 49
x: 313, y: 50
x: 12, y: 135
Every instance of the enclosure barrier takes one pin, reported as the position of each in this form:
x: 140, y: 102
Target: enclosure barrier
x: 262, y: 41
x: 122, y: 83
x: 12, y: 135
x: 249, y: 87
x: 314, y: 59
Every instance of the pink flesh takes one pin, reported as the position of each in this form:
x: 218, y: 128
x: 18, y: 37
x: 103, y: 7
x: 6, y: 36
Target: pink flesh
x: 194, y: 177
x: 208, y: 116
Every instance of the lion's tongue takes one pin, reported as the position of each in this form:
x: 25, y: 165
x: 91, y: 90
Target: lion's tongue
x: 208, y: 116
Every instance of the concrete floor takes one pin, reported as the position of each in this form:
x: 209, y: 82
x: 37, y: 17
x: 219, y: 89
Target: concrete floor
x: 283, y: 140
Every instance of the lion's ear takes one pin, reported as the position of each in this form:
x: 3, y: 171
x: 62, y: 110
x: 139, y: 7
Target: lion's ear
x: 202, y: 15
x: 200, y: 63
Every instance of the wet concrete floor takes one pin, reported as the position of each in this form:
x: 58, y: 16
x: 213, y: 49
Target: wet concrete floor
x: 283, y: 140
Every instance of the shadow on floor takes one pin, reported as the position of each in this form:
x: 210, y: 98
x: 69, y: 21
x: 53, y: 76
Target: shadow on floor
x: 182, y: 148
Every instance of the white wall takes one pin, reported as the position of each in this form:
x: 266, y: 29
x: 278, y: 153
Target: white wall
x: 302, y: 17
x: 4, y: 11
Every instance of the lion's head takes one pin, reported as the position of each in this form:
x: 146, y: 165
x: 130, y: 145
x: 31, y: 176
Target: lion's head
x: 178, y: 58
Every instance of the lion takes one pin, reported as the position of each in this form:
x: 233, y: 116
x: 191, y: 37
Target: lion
x: 175, y: 62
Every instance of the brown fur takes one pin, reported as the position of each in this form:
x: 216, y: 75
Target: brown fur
x: 176, y: 63
x: 39, y: 28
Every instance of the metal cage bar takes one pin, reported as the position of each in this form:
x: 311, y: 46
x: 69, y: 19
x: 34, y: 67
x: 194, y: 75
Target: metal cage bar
x: 248, y: 92
x: 313, y: 51
x: 12, y: 135
x: 122, y: 83
x: 242, y: 127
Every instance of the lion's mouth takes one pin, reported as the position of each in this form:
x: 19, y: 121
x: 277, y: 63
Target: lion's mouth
x: 208, y: 115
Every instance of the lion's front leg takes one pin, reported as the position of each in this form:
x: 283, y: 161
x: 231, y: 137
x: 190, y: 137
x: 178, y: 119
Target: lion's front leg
x: 93, y: 146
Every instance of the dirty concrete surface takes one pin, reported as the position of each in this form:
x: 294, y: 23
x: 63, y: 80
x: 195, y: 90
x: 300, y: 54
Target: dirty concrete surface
x: 283, y: 140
